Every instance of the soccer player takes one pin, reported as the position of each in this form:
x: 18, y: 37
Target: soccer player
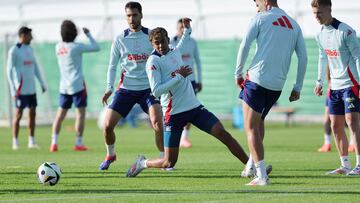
x: 22, y: 69
x: 190, y: 57
x: 339, y: 48
x: 168, y: 80
x: 72, y: 82
x: 277, y: 35
x: 132, y: 49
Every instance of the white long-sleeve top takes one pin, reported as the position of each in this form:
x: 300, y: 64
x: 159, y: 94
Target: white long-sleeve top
x: 69, y: 55
x: 277, y: 35
x: 132, y: 50
x: 340, y: 49
x: 175, y: 91
x: 22, y: 69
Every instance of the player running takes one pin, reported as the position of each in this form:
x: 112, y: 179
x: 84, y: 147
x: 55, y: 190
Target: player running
x: 190, y: 57
x: 22, y: 69
x: 340, y: 50
x: 168, y: 80
x: 277, y: 35
x: 132, y: 49
x: 72, y: 82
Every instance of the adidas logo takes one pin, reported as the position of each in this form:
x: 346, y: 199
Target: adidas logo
x: 283, y: 22
x: 351, y: 106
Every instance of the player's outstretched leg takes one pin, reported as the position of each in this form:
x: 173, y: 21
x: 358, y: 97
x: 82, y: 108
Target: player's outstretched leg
x: 168, y: 161
x: 231, y: 143
x: 111, y: 119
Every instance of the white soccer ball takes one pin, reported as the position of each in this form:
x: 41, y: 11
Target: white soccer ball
x: 49, y: 173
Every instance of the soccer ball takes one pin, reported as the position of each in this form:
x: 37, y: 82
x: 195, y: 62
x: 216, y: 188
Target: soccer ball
x: 49, y: 173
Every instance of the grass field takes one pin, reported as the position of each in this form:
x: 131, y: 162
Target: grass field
x: 205, y: 173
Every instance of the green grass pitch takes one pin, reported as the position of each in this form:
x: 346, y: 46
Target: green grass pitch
x: 205, y: 173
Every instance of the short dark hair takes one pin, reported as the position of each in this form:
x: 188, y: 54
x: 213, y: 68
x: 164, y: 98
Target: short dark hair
x: 68, y: 31
x: 24, y: 30
x: 132, y: 5
x: 180, y: 20
x: 158, y: 32
x: 318, y: 3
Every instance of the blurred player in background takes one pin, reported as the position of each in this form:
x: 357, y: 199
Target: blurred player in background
x: 277, y: 35
x: 340, y: 50
x: 22, y: 69
x: 132, y: 49
x: 190, y: 57
x: 168, y: 80
x: 72, y: 82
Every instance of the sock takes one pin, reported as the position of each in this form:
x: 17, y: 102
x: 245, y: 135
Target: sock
x: 15, y: 141
x: 327, y: 139
x: 357, y: 160
x: 161, y: 154
x: 250, y: 163
x: 79, y: 141
x: 54, y: 139
x: 144, y: 163
x: 110, y: 150
x: 261, y: 169
x: 185, y: 133
x: 32, y: 140
x: 345, y: 162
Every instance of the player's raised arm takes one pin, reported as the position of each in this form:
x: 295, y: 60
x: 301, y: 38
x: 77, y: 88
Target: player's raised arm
x: 198, y: 67
x: 93, y: 46
x: 186, y: 33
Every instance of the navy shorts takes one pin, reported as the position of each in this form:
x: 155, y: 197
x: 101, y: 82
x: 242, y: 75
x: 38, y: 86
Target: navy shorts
x: 124, y: 100
x: 344, y: 101
x: 79, y: 99
x: 23, y: 101
x: 199, y: 117
x: 259, y: 98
